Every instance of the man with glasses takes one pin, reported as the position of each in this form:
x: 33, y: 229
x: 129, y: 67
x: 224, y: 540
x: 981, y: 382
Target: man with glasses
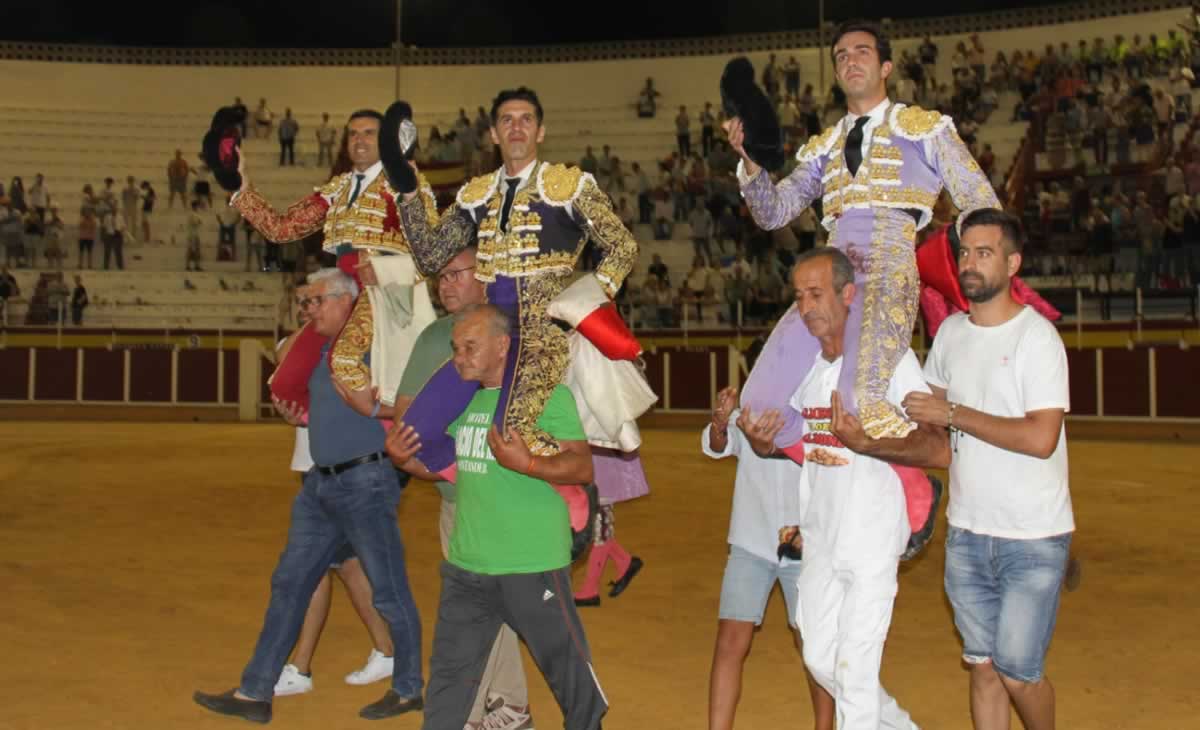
x: 350, y: 495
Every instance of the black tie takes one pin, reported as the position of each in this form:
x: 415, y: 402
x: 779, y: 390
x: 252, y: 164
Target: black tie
x: 854, y: 142
x: 509, y: 194
x: 358, y: 178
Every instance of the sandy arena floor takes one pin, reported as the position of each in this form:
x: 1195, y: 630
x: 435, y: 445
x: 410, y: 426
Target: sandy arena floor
x: 135, y: 560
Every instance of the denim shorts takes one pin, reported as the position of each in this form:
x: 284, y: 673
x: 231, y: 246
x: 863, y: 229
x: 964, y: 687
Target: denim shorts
x: 748, y: 583
x: 1005, y: 597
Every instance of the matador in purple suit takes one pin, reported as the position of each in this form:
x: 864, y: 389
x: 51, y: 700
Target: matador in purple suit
x: 878, y: 173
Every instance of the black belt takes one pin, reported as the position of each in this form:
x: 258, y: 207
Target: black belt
x: 336, y: 469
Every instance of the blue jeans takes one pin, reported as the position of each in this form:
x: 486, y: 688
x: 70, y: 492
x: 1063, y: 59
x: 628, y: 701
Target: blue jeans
x: 357, y: 506
x: 1005, y: 598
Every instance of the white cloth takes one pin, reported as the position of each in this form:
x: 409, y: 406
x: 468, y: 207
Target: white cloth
x: 301, y: 457
x: 857, y: 509
x: 369, y: 176
x: 767, y: 493
x: 402, y: 308
x: 609, y: 395
x: 1008, y: 370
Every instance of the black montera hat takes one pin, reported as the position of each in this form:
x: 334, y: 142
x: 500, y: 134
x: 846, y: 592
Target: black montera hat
x: 221, y: 147
x: 742, y: 98
x: 397, y: 141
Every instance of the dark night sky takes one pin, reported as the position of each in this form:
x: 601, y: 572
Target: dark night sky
x: 428, y: 23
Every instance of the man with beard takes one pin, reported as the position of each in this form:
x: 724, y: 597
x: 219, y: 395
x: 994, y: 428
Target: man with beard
x: 999, y: 380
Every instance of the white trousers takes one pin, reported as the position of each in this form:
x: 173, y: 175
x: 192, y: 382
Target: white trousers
x: 844, y: 615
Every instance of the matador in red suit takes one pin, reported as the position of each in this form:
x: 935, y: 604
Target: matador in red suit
x: 357, y: 211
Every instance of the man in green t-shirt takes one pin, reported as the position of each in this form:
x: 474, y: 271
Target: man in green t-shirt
x: 503, y: 694
x: 510, y: 551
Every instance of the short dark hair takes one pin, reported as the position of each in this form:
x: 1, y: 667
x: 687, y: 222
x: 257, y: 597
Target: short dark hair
x: 1012, y: 233
x: 366, y: 114
x: 521, y: 93
x: 843, y: 268
x: 882, y: 45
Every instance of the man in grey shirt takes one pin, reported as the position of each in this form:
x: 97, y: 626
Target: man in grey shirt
x: 288, y: 129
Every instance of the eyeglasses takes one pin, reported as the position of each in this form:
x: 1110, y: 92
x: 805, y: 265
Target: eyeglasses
x: 452, y: 276
x: 315, y: 302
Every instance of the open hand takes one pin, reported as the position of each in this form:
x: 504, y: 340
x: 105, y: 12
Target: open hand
x: 402, y: 443
x: 737, y: 140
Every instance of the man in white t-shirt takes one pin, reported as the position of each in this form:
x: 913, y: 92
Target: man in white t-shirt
x: 769, y: 497
x: 999, y: 379
x: 856, y: 526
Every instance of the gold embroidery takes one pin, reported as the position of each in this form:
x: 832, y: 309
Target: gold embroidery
x: 819, y: 144
x: 916, y: 123
x: 559, y: 185
x: 477, y: 190
x: 352, y: 344
x: 361, y: 225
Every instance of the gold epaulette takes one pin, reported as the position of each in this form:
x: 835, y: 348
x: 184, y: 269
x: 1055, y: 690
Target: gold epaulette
x: 560, y: 185
x: 818, y: 144
x: 477, y: 191
x: 335, y: 185
x: 915, y: 123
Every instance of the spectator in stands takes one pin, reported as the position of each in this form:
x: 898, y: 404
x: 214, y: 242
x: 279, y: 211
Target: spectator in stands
x: 227, y: 220
x: 987, y: 160
x: 738, y: 296
x: 692, y: 291
x: 1096, y: 61
x: 201, y: 189
x: 56, y: 297
x: 177, y: 177
x: 588, y: 162
x: 39, y: 197
x: 131, y: 203
x: 665, y: 305
x: 1175, y: 257
x: 54, y: 229
x: 288, y: 129
x: 1081, y: 203
x: 928, y: 53
x: 8, y: 289
x: 12, y: 233
x: 647, y: 104
x: 604, y: 167
x: 87, y: 234
x: 263, y: 120
x: 1098, y: 229
x: 326, y: 137
x: 16, y: 196
x: 642, y: 186
x: 149, y: 197
x: 791, y: 76
x: 192, y: 232
x: 1164, y: 117
x: 112, y: 233
x: 254, y: 248
x: 616, y: 178
x: 1191, y: 172
x: 79, y: 301
x: 770, y: 78
x: 683, y: 132
x: 977, y: 59
x: 1144, y: 230
x: 625, y: 214
x: 767, y: 294
x: 707, y: 128
x: 1000, y: 73
x: 701, y: 222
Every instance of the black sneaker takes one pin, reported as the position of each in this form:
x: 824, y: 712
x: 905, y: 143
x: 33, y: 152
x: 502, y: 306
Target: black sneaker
x: 620, y: 584
x: 391, y: 705
x: 226, y: 704
x: 920, y: 539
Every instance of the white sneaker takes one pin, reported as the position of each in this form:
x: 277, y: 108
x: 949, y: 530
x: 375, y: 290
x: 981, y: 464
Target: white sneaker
x: 292, y: 682
x: 377, y: 667
x: 507, y: 717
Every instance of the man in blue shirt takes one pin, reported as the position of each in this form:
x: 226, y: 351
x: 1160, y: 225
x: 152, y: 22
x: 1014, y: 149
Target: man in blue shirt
x: 349, y: 496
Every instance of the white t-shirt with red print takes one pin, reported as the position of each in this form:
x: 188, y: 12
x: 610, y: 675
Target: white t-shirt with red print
x: 856, y: 505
